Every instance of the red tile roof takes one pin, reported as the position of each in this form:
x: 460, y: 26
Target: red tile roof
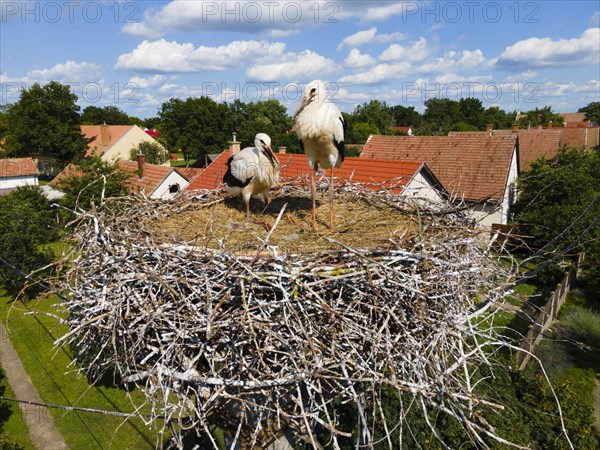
x: 189, y: 173
x: 99, y: 143
x: 581, y: 137
x: 153, y: 176
x: 69, y: 171
x: 472, y: 167
x: 534, y: 144
x: 537, y: 142
x: 573, y: 117
x: 17, y: 167
x: 391, y: 174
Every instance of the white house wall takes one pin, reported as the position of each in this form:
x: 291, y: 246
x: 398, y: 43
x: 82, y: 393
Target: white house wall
x: 421, y: 186
x: 120, y: 150
x: 20, y: 181
x: 162, y: 191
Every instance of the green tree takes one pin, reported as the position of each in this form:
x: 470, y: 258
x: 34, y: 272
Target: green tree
x: 268, y: 117
x: 109, y: 115
x: 196, y: 126
x: 592, y: 112
x: 405, y: 116
x: 498, y: 118
x: 362, y: 130
x: 153, y: 151
x: 26, y: 223
x: 559, y: 204
x: 541, y: 116
x: 45, y: 121
x: 376, y: 113
x: 440, y: 116
x: 89, y: 180
x: 472, y: 112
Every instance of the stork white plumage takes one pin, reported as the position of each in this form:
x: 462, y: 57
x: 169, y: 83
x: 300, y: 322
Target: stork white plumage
x: 254, y: 170
x: 320, y: 127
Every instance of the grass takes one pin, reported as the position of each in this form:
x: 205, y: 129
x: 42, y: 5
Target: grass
x: 181, y: 163
x: 33, y: 337
x: 14, y: 430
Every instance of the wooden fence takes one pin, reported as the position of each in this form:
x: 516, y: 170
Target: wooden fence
x: 546, y: 315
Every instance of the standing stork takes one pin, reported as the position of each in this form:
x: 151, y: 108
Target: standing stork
x: 320, y: 127
x: 254, y: 170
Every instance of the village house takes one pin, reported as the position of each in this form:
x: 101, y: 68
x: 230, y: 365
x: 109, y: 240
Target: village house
x: 156, y: 182
x: 537, y: 142
x: 478, y: 171
x: 114, y: 142
x: 17, y: 172
x: 413, y: 179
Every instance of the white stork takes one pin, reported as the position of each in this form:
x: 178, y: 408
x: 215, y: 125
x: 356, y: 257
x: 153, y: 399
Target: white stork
x: 320, y: 127
x: 254, y: 170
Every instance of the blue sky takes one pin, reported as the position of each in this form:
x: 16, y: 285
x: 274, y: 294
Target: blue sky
x: 137, y: 54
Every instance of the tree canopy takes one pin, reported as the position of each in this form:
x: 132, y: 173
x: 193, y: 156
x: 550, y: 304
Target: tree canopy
x: 592, y: 112
x: 45, y: 121
x: 153, y: 151
x: 109, y: 115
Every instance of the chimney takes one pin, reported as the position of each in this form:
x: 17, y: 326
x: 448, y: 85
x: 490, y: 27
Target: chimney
x: 234, y: 145
x: 141, y: 159
x: 104, y: 135
x: 515, y: 128
x: 550, y: 124
x: 489, y: 127
x: 282, y: 150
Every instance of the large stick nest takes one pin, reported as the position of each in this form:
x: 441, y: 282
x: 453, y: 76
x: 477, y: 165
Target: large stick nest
x: 247, y: 330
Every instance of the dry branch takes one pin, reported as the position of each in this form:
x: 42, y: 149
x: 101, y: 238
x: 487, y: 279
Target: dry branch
x: 260, y: 343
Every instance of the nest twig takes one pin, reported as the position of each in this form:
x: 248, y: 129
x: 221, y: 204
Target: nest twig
x: 264, y: 343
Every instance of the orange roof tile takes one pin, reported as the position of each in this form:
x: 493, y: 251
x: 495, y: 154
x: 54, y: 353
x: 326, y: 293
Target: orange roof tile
x: 17, y: 167
x: 536, y: 142
x: 153, y: 176
x: 391, y: 174
x: 68, y: 171
x: 573, y: 117
x: 98, y: 144
x: 472, y: 167
x: 580, y: 137
x: 189, y: 173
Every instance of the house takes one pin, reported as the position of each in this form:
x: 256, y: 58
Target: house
x: 157, y: 182
x: 114, y: 142
x: 404, y: 130
x: 574, y: 119
x: 407, y: 178
x: 17, y: 172
x: 478, y: 170
x: 537, y: 142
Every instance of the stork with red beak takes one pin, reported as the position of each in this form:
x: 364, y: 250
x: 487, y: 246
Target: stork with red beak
x: 254, y: 170
x: 320, y: 127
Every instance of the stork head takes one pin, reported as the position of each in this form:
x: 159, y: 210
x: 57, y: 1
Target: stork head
x: 314, y: 92
x: 262, y: 142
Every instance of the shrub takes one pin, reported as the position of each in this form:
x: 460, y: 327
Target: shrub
x: 582, y: 325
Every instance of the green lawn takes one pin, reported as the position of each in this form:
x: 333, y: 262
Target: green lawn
x: 14, y: 429
x: 33, y: 337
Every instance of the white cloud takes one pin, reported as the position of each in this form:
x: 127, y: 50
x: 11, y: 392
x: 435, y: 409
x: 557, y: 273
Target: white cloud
x: 378, y: 74
x: 275, y: 18
x: 416, y: 51
x: 293, y: 66
x: 595, y: 19
x: 148, y: 82
x: 356, y: 59
x: 70, y: 71
x: 369, y: 36
x: 455, y: 62
x: 173, y: 57
x: 358, y: 39
x: 545, y: 52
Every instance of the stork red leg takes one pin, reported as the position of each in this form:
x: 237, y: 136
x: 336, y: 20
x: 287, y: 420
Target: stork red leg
x: 313, y: 188
x: 331, y: 200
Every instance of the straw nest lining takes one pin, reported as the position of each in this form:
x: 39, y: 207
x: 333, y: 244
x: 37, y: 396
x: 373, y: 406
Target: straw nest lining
x: 259, y: 340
